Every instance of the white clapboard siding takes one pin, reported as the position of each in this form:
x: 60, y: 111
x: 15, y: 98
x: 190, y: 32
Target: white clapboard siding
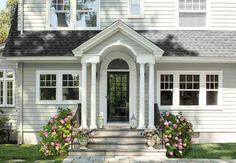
x: 157, y: 14
x: 215, y: 120
x: 223, y: 14
x: 34, y: 15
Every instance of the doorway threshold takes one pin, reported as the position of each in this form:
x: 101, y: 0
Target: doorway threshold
x: 121, y: 125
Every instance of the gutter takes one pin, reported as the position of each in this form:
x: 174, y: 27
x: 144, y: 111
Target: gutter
x: 166, y: 59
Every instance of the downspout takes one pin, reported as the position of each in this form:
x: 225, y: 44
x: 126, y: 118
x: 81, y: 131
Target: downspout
x: 22, y: 17
x: 21, y: 138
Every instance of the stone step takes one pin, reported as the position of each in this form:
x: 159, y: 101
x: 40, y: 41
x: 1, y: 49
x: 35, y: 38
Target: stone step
x: 127, y: 147
x: 160, y: 153
x: 112, y: 146
x: 121, y: 140
x: 113, y: 133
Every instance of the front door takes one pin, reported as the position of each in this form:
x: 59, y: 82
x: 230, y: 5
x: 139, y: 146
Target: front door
x: 118, y: 96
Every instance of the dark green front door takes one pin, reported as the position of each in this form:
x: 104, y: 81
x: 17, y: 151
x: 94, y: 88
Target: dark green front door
x: 118, y: 96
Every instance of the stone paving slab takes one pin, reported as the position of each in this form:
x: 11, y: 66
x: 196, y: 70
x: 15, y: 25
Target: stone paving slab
x: 46, y: 161
x: 16, y: 160
x: 138, y: 159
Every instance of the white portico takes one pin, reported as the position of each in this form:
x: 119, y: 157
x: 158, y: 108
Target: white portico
x: 118, y: 58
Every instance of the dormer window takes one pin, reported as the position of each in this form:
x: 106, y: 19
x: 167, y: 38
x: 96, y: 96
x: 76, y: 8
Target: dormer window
x: 73, y: 14
x: 192, y: 13
x: 60, y: 14
x: 135, y: 8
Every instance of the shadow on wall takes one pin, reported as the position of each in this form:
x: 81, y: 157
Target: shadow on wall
x: 172, y: 47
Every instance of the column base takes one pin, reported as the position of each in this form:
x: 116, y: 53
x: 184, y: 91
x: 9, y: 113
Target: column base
x: 93, y: 127
x: 83, y: 127
x: 141, y: 127
x: 151, y: 127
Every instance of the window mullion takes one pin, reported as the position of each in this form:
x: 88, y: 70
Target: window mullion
x: 4, y: 92
x: 202, y: 93
x: 73, y: 5
x: 176, y: 90
x: 59, y: 88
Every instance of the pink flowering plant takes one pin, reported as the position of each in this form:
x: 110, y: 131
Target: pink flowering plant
x: 177, y: 134
x: 56, y: 135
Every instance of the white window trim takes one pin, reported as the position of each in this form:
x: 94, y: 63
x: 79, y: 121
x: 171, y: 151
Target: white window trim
x: 59, y: 87
x: 202, y: 97
x: 5, y: 80
x: 141, y: 16
x: 73, y: 13
x: 207, y: 11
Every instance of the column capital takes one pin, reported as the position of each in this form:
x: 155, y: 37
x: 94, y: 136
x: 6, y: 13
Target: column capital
x: 145, y: 59
x: 90, y: 59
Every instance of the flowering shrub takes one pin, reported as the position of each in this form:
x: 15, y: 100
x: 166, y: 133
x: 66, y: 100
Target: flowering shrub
x: 177, y: 133
x: 56, y: 135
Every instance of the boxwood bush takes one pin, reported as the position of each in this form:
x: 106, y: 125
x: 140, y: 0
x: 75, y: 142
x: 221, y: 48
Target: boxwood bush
x: 177, y: 134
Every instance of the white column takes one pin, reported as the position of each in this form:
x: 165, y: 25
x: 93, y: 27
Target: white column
x: 84, y: 96
x: 141, y: 98
x: 93, y: 97
x: 151, y: 97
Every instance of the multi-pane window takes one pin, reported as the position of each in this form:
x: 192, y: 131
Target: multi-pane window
x: 58, y: 87
x: 212, y: 86
x: 7, y: 87
x: 189, y: 89
x: 73, y: 14
x: 70, y: 86
x: 192, y: 13
x: 135, y: 8
x: 60, y: 13
x: 86, y: 13
x: 48, y: 84
x: 166, y: 86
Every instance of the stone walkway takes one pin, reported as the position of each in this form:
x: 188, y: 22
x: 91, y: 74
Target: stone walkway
x: 138, y: 159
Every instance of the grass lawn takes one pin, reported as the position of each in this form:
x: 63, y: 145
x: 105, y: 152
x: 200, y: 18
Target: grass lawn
x: 212, y: 151
x: 30, y: 153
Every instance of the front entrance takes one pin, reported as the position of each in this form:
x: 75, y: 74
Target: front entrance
x: 118, y: 96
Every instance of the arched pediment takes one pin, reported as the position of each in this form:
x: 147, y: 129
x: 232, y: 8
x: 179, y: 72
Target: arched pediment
x: 115, y: 36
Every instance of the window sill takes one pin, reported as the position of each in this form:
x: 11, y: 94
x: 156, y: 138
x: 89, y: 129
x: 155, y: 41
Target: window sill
x: 193, y: 28
x: 74, y: 29
x: 136, y: 17
x: 8, y: 106
x: 69, y: 102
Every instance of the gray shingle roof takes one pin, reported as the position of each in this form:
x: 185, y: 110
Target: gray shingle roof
x: 174, y: 43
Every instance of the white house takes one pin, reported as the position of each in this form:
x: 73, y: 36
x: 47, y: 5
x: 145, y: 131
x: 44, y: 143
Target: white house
x: 119, y: 58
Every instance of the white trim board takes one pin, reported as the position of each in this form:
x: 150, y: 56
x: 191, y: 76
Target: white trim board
x: 161, y: 59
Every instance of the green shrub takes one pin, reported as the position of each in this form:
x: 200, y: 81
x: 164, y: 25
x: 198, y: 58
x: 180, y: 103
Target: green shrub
x: 56, y: 135
x: 177, y: 134
x: 3, y: 131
